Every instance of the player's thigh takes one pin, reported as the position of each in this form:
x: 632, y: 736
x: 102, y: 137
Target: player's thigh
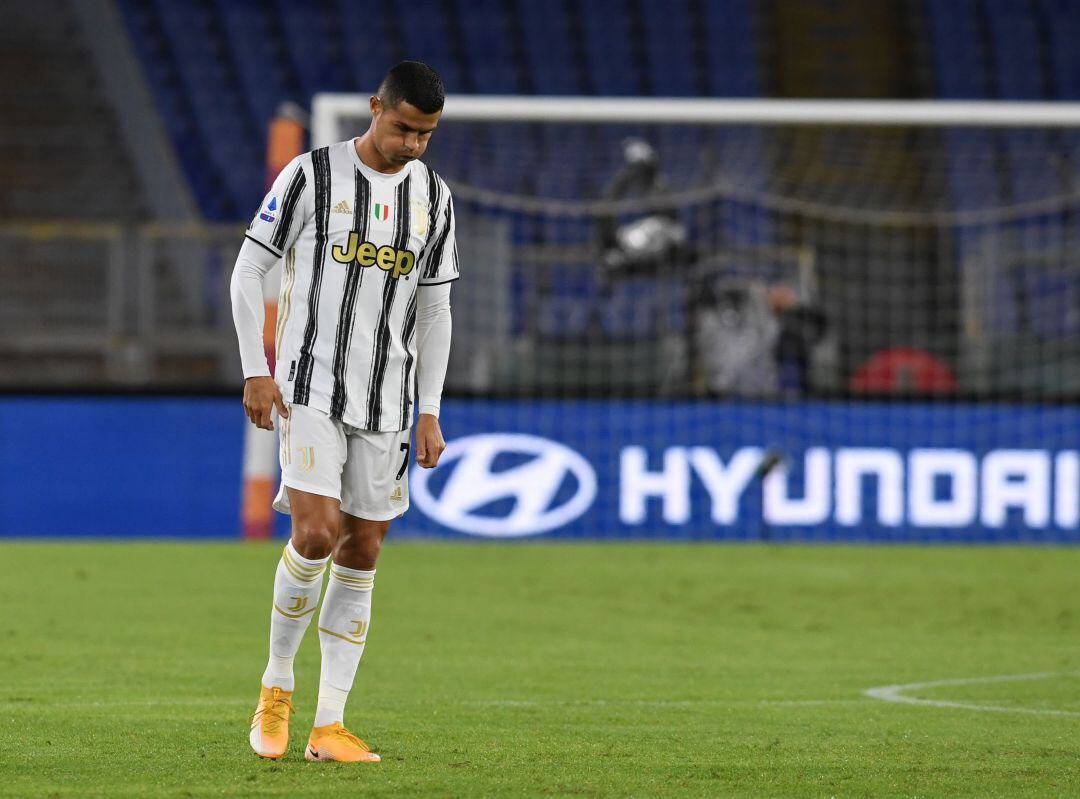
x: 316, y: 523
x: 375, y: 480
x: 312, y: 453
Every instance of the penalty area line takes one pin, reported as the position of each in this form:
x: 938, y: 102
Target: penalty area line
x: 38, y: 704
x: 45, y: 704
x: 660, y: 703
x: 897, y: 694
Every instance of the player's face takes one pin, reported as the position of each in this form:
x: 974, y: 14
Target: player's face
x: 402, y: 132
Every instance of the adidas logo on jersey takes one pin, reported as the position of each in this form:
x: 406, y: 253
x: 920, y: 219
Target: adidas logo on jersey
x: 342, y: 208
x: 387, y: 258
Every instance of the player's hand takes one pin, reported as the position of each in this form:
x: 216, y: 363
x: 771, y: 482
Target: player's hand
x: 429, y: 440
x: 261, y: 394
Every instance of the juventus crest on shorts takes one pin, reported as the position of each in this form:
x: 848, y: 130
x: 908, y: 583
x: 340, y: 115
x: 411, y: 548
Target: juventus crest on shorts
x: 356, y: 244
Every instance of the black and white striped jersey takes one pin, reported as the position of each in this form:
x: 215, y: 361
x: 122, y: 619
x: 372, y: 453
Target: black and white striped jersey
x: 356, y: 244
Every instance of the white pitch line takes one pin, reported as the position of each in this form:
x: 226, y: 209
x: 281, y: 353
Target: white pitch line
x: 37, y: 704
x: 810, y: 702
x: 44, y: 704
x: 897, y: 694
x: 659, y: 702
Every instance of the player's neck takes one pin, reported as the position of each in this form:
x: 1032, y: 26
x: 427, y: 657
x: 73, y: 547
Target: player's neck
x: 370, y: 156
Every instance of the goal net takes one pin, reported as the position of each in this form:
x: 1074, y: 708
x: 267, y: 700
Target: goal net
x: 768, y: 319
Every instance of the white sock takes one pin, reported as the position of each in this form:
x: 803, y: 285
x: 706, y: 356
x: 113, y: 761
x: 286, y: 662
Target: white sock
x: 297, y: 586
x: 343, y: 627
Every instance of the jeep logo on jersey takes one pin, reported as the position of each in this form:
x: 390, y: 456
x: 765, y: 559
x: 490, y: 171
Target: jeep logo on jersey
x: 505, y: 485
x: 387, y: 258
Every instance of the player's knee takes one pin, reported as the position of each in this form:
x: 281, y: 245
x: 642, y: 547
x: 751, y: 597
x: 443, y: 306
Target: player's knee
x: 314, y: 539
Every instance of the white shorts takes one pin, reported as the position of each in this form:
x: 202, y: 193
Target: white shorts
x: 368, y: 472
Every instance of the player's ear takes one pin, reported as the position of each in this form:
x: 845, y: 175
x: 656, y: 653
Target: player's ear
x: 375, y: 105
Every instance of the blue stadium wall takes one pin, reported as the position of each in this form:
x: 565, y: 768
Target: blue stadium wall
x: 170, y: 467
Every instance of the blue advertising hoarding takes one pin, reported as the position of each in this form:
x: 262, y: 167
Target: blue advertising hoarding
x: 139, y: 467
x: 613, y: 470
x: 743, y: 471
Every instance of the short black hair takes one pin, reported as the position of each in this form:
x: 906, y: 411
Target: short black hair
x: 414, y: 82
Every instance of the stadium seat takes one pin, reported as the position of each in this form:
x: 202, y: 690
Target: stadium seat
x: 730, y: 50
x: 1018, y: 62
x: 565, y: 308
x: 610, y: 55
x: 549, y: 55
x: 367, y: 42
x: 315, y: 48
x: 957, y: 50
x: 1063, y: 32
x: 488, y: 47
x: 670, y: 52
x: 630, y: 310
x: 260, y: 67
x: 424, y: 32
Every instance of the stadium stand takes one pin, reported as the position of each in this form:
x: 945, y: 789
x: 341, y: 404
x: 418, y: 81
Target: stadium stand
x: 60, y: 153
x: 1013, y: 50
x: 62, y: 160
x: 218, y: 69
x: 550, y: 51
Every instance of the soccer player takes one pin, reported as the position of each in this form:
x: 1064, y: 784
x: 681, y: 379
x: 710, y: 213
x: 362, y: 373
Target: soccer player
x: 366, y: 231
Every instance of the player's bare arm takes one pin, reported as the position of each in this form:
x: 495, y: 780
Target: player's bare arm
x: 429, y: 441
x: 261, y: 396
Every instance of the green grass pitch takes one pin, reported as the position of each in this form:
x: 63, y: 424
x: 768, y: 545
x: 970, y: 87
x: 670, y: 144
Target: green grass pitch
x: 551, y: 670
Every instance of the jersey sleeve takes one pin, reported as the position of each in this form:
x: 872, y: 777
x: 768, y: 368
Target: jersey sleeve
x: 280, y: 218
x: 440, y: 259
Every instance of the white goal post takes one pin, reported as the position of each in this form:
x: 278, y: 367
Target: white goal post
x: 808, y: 292
x: 948, y: 227
x: 327, y: 108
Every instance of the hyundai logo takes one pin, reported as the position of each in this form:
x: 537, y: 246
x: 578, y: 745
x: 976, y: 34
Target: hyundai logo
x: 545, y: 486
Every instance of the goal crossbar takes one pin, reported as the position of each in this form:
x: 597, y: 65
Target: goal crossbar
x: 328, y: 107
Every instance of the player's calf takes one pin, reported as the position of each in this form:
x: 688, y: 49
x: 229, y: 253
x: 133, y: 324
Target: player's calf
x: 344, y: 623
x: 297, y: 587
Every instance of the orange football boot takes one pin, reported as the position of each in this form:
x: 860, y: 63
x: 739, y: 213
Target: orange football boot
x: 334, y: 742
x: 270, y: 723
